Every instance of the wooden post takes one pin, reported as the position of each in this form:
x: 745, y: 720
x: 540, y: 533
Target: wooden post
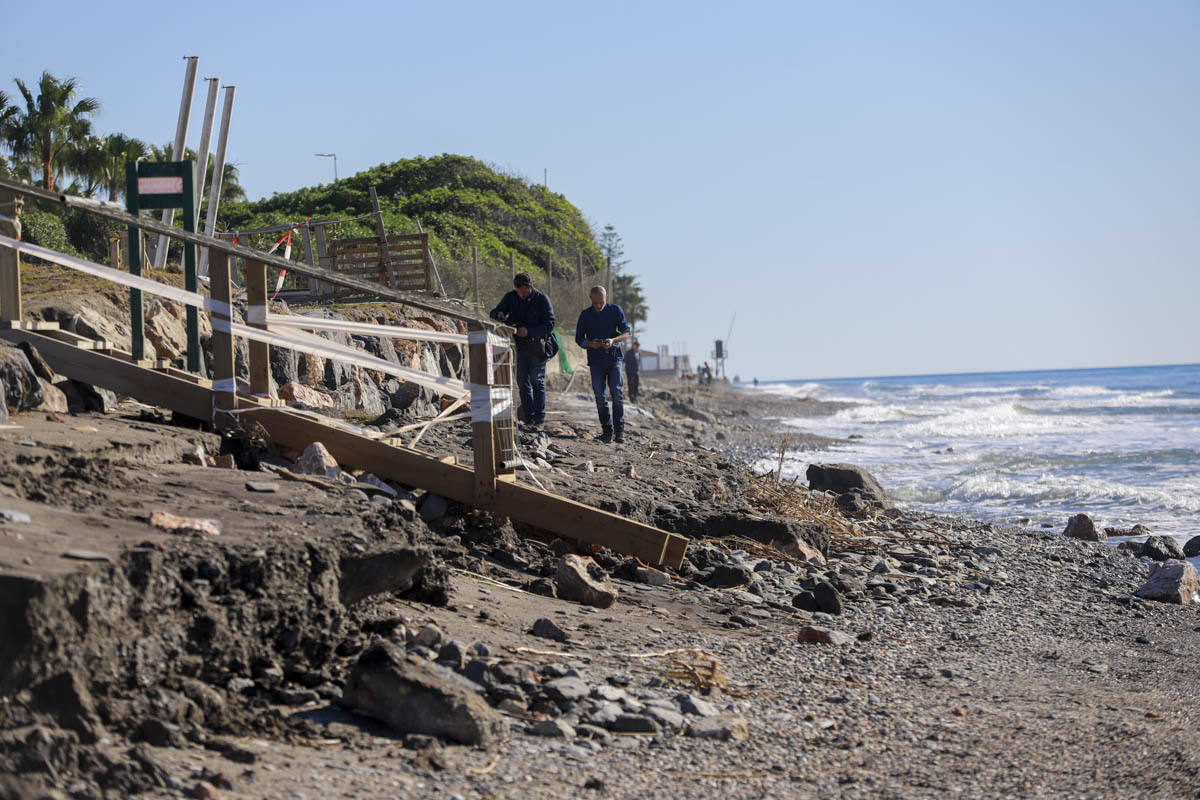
x: 512, y: 267
x: 475, y: 275
x: 503, y: 426
x: 314, y: 286
x: 322, y: 249
x: 11, y: 205
x: 224, y: 381
x: 608, y: 277
x: 383, y: 243
x: 256, y: 317
x: 479, y: 364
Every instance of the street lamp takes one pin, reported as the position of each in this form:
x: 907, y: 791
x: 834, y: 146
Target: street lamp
x: 334, y: 157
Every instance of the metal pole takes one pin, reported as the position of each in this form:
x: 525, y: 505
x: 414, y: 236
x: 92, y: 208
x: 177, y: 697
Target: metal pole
x: 608, y: 276
x: 214, y: 190
x: 512, y: 266
x: 210, y: 112
x: 181, y: 126
x: 190, y: 280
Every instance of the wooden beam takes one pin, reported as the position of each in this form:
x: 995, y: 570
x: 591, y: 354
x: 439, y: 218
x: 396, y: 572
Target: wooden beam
x: 558, y: 515
x: 260, y: 352
x: 119, y: 375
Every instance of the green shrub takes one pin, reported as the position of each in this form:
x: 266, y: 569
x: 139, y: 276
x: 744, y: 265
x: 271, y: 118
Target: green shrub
x: 90, y: 234
x: 45, y: 229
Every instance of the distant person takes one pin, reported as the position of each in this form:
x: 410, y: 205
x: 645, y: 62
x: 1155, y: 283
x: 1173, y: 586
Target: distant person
x: 756, y: 383
x: 601, y: 329
x: 530, y: 312
x: 632, y: 367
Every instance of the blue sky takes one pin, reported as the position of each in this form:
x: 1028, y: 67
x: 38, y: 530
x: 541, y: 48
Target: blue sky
x: 873, y: 188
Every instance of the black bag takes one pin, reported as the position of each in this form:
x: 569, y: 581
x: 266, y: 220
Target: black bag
x: 544, y: 348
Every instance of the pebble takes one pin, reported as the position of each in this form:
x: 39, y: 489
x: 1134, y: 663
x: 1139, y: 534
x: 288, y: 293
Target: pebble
x: 8, y: 515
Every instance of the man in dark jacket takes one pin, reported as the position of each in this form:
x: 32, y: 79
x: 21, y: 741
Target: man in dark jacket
x: 633, y: 366
x: 601, y: 329
x: 530, y: 312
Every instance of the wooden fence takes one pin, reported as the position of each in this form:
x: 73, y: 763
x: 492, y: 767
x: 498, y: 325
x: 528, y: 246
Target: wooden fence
x: 407, y: 255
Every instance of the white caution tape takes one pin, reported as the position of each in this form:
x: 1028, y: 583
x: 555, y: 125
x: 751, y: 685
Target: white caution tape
x: 490, y: 402
x: 225, y: 385
x: 494, y: 339
x: 256, y: 315
x: 363, y: 328
x: 318, y: 346
x: 117, y: 276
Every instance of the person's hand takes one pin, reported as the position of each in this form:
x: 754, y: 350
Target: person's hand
x: 522, y: 331
x: 607, y: 343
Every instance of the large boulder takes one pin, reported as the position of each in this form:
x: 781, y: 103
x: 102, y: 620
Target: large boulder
x: 414, y: 695
x: 53, y: 399
x: 317, y: 460
x: 1081, y: 526
x: 22, y: 386
x: 166, y: 328
x: 581, y: 579
x: 848, y: 482
x: 1191, y: 547
x: 1171, y: 582
x: 298, y: 394
x: 1160, y: 548
x: 284, y: 366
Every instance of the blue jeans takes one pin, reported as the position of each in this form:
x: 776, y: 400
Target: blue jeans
x: 531, y: 385
x: 606, y: 377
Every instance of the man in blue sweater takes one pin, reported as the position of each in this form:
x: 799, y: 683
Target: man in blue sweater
x: 601, y: 329
x: 530, y: 312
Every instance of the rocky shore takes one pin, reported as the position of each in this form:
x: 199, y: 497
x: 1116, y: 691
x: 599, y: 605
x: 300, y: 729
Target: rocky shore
x: 338, y: 637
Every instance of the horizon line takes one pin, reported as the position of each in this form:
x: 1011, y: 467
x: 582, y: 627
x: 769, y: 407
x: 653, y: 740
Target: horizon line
x: 979, y: 372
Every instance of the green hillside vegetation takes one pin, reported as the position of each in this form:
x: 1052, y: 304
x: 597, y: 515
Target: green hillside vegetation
x: 459, y: 201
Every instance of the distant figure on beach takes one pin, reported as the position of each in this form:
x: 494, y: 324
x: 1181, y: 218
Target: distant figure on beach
x: 756, y: 382
x: 705, y: 374
x: 601, y: 329
x: 530, y: 312
x: 632, y: 367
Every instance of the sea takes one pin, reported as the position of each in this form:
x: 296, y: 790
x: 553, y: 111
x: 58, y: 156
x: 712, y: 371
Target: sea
x: 1121, y: 444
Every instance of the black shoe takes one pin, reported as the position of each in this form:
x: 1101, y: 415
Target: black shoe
x: 619, y: 434
x: 607, y: 436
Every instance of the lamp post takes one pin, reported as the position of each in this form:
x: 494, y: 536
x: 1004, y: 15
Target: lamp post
x: 334, y: 157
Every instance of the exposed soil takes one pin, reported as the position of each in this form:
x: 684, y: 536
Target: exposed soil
x: 982, y: 661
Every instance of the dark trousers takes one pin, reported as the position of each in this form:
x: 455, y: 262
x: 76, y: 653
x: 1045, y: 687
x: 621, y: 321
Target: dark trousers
x: 531, y: 384
x: 631, y: 378
x: 605, y: 378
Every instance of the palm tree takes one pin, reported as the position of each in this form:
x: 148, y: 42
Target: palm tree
x: 86, y: 159
x: 50, y: 122
x: 627, y: 293
x: 119, y: 150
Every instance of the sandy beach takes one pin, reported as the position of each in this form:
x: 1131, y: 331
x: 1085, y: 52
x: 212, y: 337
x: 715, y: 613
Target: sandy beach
x: 917, y: 657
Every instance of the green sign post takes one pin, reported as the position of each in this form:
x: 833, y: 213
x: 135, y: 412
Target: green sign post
x: 162, y: 184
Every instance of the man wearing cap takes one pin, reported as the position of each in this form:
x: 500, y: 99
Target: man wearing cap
x: 601, y: 329
x: 530, y: 312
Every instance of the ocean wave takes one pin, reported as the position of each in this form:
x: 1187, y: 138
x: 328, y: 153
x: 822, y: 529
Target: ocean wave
x: 1077, y: 491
